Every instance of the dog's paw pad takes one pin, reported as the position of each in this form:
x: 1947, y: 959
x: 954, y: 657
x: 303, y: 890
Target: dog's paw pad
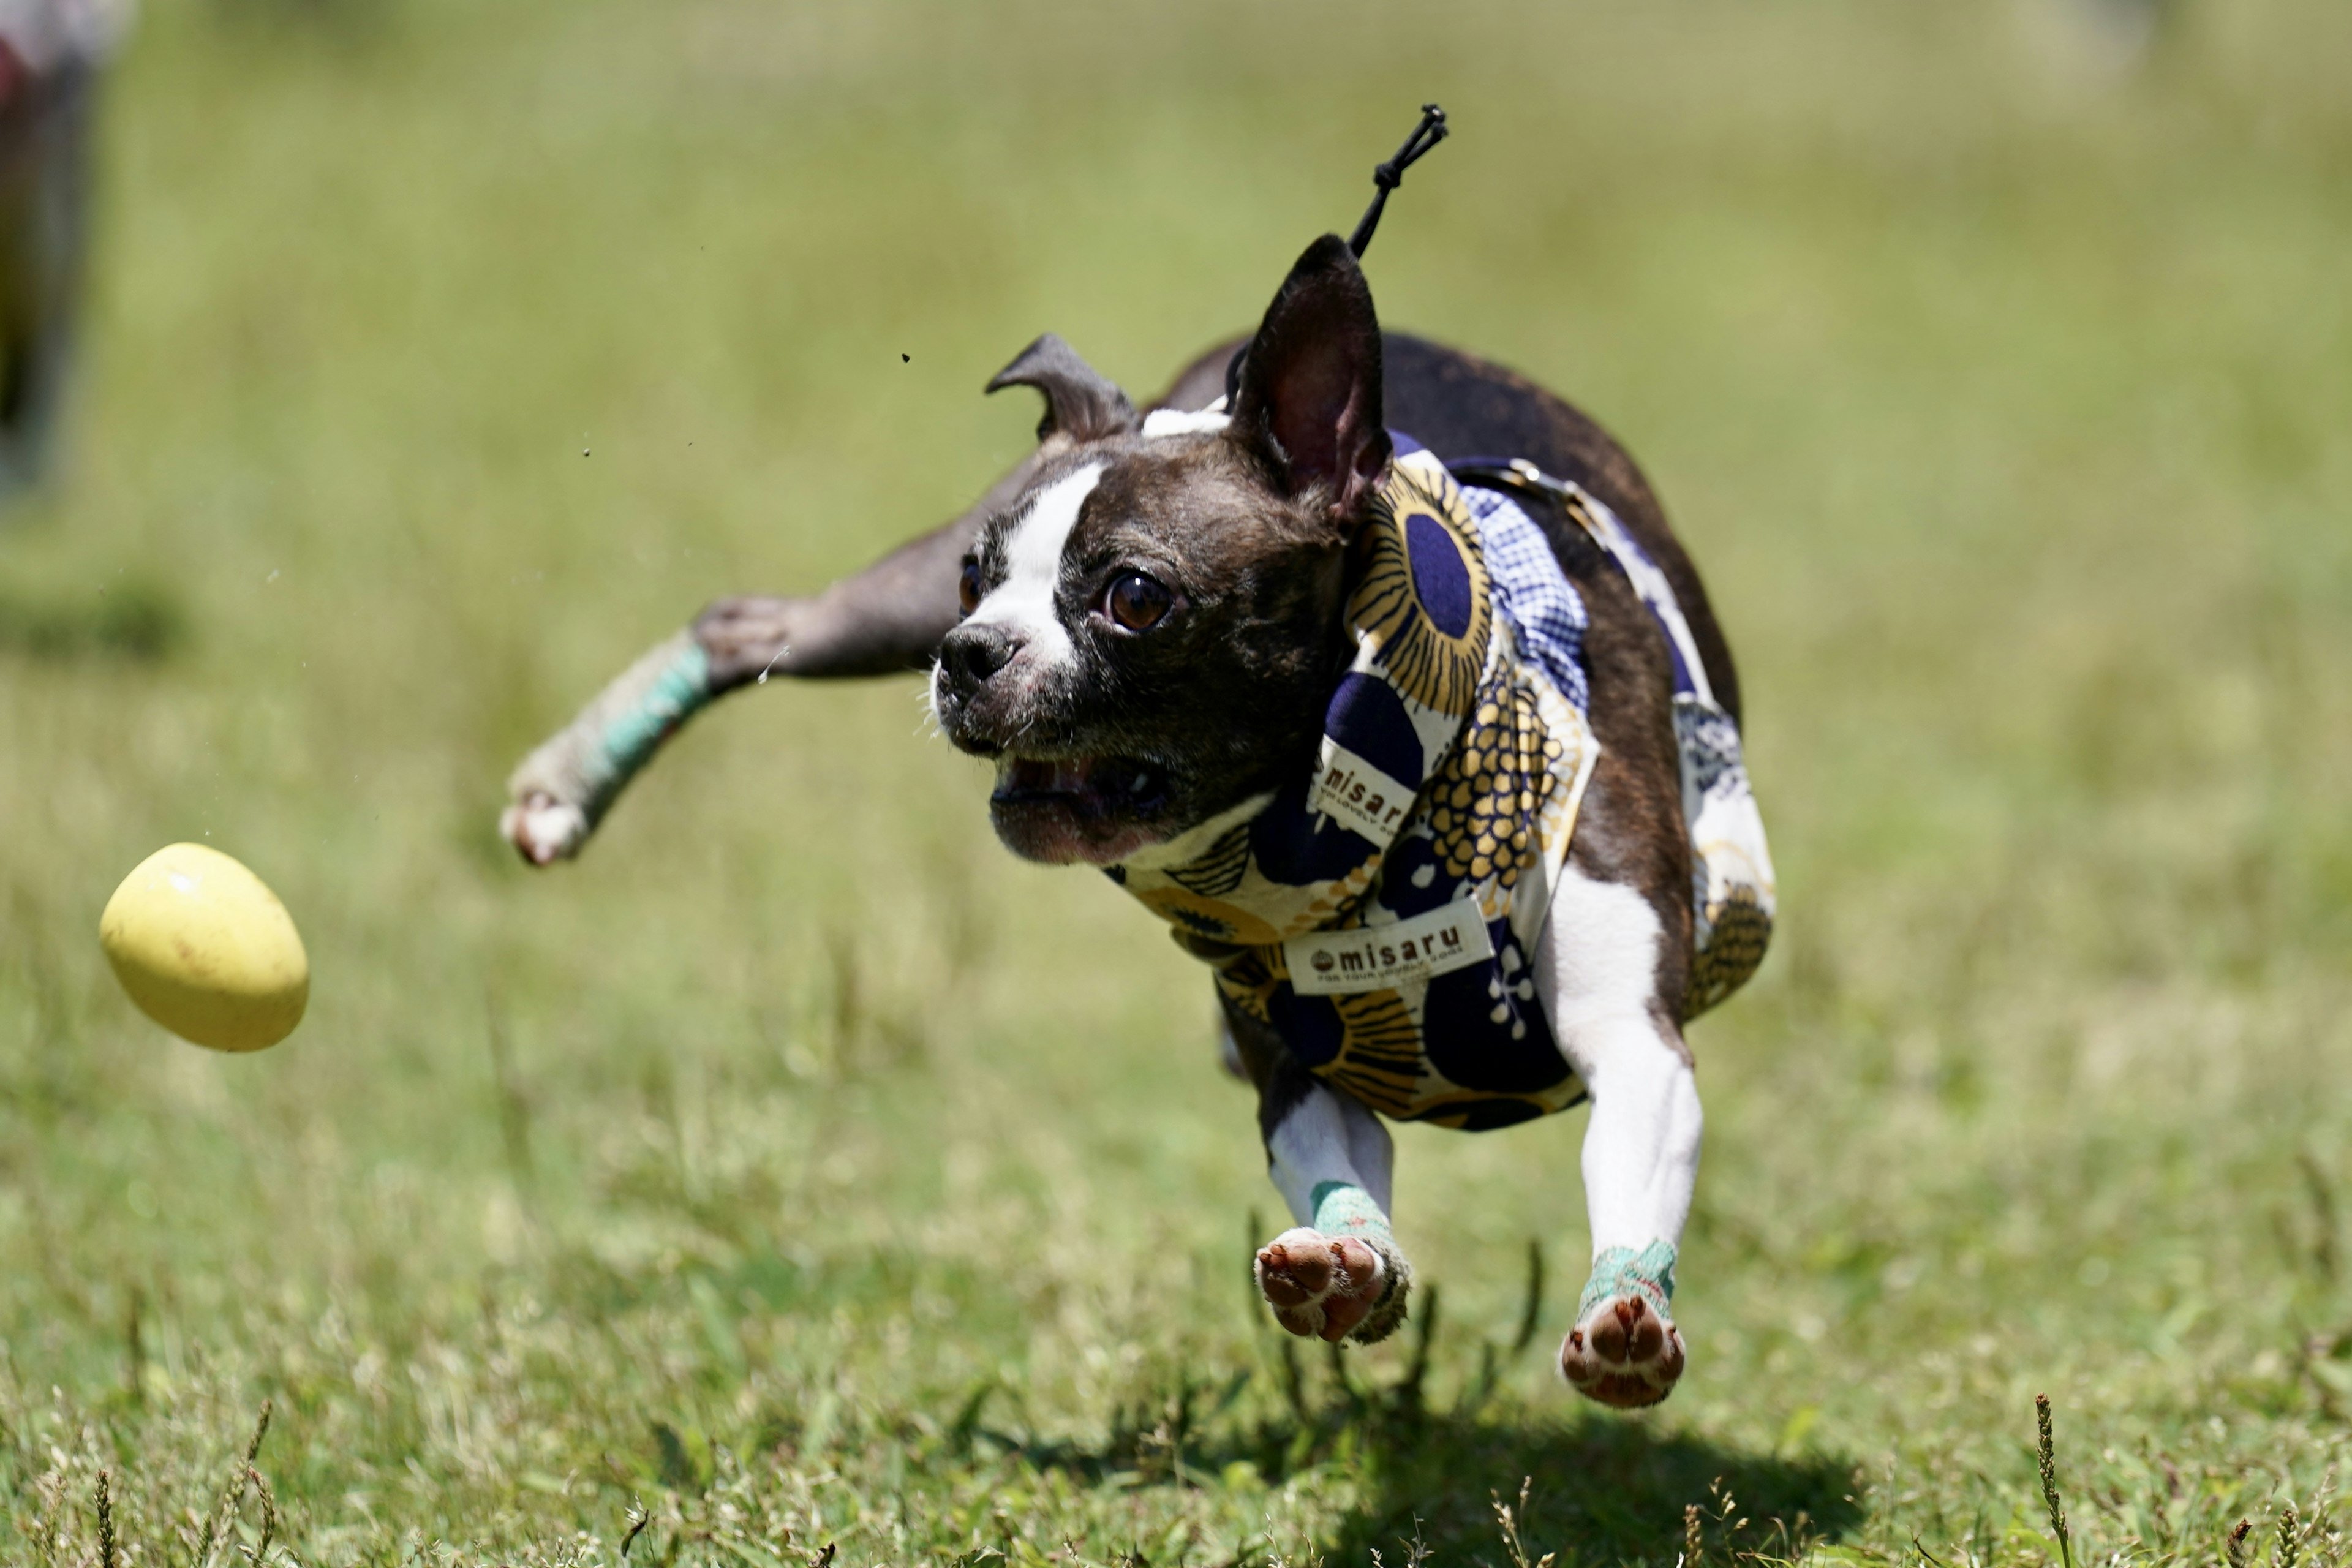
x: 1321, y: 1286
x: 1624, y: 1353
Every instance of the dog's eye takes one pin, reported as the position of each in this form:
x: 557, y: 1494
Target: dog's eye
x: 968, y: 587
x: 1138, y: 602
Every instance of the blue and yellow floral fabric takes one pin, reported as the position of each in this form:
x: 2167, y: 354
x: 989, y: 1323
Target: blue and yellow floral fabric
x: 1456, y: 751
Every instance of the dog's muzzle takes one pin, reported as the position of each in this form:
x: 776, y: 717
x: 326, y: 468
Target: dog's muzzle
x: 979, y: 695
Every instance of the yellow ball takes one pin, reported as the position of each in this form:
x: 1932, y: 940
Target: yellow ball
x: 206, y: 950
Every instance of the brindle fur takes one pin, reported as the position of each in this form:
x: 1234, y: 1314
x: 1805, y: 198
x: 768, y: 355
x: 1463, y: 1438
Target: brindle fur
x: 896, y: 615
x: 1249, y: 527
x: 1259, y: 583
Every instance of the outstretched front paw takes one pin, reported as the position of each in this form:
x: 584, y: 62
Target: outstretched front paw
x: 1623, y: 1352
x: 543, y: 828
x: 1328, y: 1287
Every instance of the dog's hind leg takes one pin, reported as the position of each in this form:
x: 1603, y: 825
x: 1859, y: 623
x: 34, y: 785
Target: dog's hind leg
x: 1337, y: 1273
x: 1597, y: 969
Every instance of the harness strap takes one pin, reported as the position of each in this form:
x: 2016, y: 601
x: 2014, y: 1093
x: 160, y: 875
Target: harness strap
x: 1603, y: 527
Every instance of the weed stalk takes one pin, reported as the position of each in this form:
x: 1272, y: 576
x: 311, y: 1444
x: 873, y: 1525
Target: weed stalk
x: 259, y: 1556
x: 2324, y: 1257
x: 513, y: 1105
x: 1532, y: 1308
x: 1509, y: 1520
x: 218, y: 1528
x: 1407, y: 1393
x: 638, y: 1518
x: 137, y: 1347
x: 105, y: 1518
x: 2046, y: 1451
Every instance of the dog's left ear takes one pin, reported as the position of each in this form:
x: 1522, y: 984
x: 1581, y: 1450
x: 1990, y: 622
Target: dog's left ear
x: 1309, y: 401
x: 1081, y: 403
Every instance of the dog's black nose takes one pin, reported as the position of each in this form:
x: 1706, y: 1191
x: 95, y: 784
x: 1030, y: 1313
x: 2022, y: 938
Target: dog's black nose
x: 970, y: 654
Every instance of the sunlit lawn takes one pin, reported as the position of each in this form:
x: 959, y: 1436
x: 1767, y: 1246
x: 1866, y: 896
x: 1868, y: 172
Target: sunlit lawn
x: 799, y: 1170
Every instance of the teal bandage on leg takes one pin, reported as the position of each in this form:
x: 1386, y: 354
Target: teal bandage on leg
x: 1344, y: 1209
x: 587, y: 765
x: 1621, y: 1272
x: 678, y: 687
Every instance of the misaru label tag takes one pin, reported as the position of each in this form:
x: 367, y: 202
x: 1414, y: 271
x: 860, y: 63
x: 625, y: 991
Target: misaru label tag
x: 1379, y: 958
x: 1357, y: 794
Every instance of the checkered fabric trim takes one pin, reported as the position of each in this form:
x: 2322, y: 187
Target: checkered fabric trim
x: 1544, y: 608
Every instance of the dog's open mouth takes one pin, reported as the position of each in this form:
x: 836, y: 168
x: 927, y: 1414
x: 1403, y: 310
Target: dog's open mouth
x: 1099, y: 809
x: 1084, y: 783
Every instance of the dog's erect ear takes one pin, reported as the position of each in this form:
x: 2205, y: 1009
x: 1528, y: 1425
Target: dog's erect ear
x: 1081, y: 403
x: 1309, y: 399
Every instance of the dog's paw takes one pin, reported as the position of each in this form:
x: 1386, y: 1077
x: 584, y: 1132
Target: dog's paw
x: 542, y: 828
x: 1328, y: 1287
x: 746, y: 639
x: 1624, y: 1352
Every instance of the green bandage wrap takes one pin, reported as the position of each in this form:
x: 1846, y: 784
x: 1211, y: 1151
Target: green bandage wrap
x: 676, y: 692
x: 1341, y: 1209
x: 587, y: 764
x: 1621, y: 1272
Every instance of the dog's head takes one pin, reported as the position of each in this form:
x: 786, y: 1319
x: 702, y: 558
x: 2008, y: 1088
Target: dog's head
x: 1152, y: 627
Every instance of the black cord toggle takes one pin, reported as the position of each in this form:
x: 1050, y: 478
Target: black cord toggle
x: 1388, y: 176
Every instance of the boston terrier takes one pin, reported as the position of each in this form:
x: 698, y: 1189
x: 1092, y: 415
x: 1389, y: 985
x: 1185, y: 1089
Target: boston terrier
x: 1375, y: 672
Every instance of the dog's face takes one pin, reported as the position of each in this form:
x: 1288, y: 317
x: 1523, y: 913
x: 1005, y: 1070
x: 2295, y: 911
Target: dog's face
x: 1151, y: 628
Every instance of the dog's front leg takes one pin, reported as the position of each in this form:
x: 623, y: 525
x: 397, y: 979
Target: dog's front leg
x: 887, y: 618
x: 1337, y: 1273
x: 1598, y: 968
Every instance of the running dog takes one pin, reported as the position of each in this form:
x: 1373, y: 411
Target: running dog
x: 1375, y: 672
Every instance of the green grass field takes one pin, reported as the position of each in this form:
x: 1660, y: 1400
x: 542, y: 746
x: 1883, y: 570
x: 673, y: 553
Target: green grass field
x: 798, y: 1172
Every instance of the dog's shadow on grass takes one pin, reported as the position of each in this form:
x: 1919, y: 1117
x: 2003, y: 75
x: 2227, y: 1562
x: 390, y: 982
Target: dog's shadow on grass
x: 1474, y: 1474
x: 1435, y: 1469
x: 1593, y: 1487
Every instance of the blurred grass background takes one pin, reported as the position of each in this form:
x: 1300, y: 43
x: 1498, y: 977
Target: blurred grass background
x: 799, y: 1167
